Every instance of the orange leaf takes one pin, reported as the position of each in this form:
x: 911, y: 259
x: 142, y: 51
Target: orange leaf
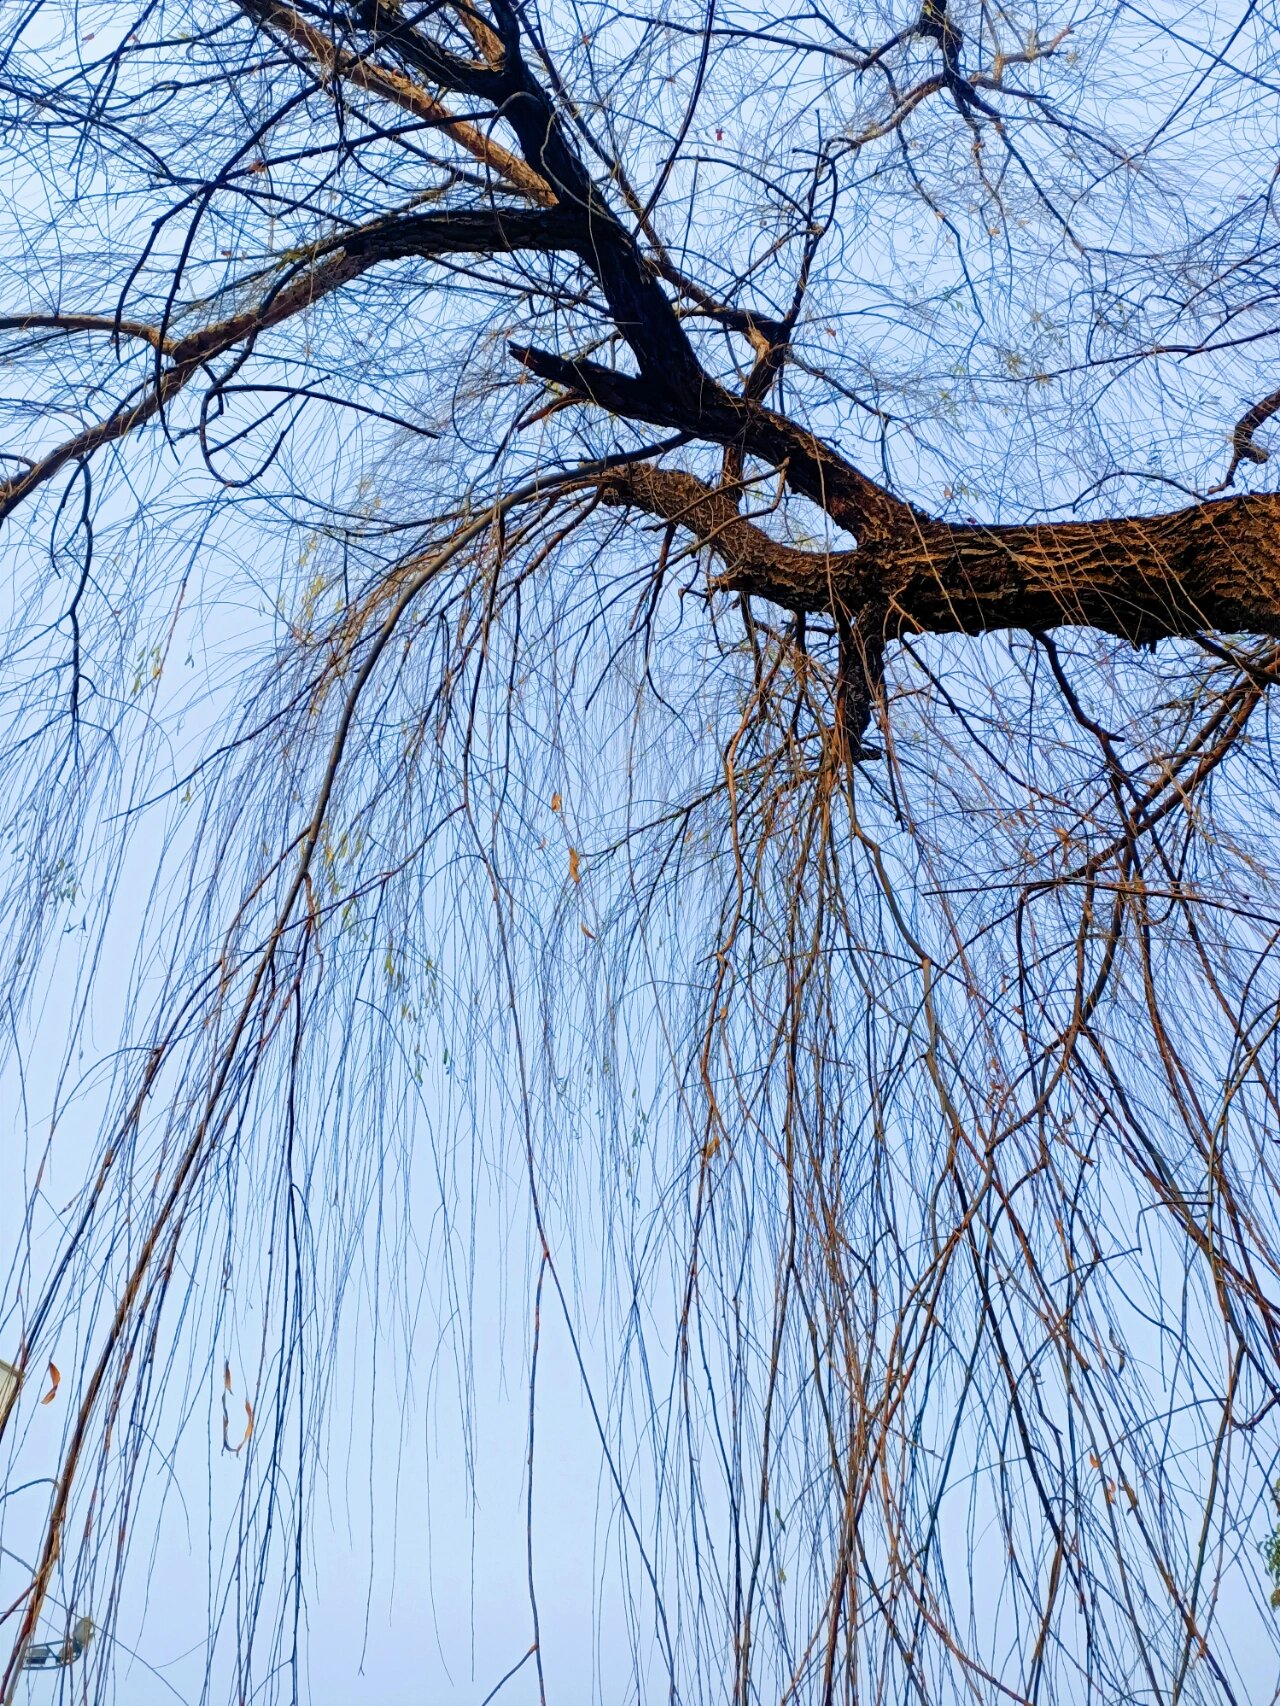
x: 555, y: 802
x: 226, y: 1376
x: 248, y: 1427
x: 55, y: 1379
x: 573, y: 864
x: 589, y: 934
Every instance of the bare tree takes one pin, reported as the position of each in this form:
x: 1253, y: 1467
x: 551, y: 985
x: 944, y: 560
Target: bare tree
x: 728, y: 631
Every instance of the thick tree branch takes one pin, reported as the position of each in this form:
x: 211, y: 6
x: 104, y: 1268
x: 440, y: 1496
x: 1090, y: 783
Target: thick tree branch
x: 751, y: 559
x: 1212, y: 566
x: 707, y: 411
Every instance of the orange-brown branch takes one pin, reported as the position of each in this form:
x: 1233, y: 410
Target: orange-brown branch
x: 393, y: 86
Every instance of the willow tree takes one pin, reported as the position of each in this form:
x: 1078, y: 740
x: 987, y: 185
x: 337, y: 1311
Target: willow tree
x: 663, y: 616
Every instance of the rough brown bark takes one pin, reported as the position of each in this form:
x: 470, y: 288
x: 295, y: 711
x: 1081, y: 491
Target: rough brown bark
x: 1211, y: 566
